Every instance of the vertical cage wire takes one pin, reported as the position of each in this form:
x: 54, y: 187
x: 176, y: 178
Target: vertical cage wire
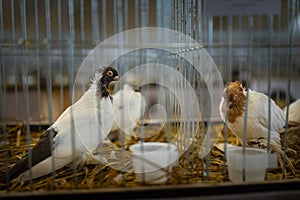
x: 38, y: 70
x: 95, y: 18
x: 60, y: 75
x: 289, y: 63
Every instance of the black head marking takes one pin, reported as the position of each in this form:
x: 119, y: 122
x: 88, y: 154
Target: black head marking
x: 109, y: 74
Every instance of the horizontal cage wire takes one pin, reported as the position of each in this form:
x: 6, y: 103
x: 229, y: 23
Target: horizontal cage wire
x: 149, y: 95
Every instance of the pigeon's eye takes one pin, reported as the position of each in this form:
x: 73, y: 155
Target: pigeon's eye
x: 110, y: 73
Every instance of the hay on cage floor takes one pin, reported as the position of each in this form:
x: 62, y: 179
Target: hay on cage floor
x: 190, y: 169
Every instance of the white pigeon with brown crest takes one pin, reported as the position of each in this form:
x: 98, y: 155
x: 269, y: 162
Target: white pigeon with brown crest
x: 232, y: 110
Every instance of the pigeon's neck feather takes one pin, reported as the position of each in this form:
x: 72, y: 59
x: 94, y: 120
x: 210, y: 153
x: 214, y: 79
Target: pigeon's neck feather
x: 100, y: 86
x: 236, y: 109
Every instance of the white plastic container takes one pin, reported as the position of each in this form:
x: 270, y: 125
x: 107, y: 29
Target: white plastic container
x: 153, y: 160
x: 256, y: 163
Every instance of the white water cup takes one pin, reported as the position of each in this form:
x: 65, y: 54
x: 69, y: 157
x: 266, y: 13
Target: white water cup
x: 255, y: 165
x: 152, y: 161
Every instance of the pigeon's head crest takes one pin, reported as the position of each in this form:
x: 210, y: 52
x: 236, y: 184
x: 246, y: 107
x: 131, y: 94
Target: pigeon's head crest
x: 234, y: 91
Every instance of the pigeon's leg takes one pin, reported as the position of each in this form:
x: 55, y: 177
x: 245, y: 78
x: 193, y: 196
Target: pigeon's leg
x: 258, y: 142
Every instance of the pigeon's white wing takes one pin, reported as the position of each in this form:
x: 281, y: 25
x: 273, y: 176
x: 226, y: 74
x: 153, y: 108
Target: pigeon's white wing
x: 67, y: 138
x: 277, y: 115
x: 91, y: 124
x: 93, y: 119
x: 258, y: 125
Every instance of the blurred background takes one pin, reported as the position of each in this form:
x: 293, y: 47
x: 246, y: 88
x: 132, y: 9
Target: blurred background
x: 44, y: 42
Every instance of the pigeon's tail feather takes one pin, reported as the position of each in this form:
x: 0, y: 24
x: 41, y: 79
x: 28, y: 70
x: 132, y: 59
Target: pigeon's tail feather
x: 45, y: 167
x: 39, y: 152
x: 18, y: 168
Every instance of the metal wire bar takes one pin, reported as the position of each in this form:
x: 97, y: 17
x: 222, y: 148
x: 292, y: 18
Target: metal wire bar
x: 159, y: 13
x: 115, y: 12
x: 71, y: 76
x: 249, y: 67
x: 270, y: 52
x: 49, y: 79
x: 126, y: 18
x: 95, y: 22
x: 199, y: 37
x: 82, y: 24
x: 137, y: 13
x: 60, y: 62
x: 104, y: 24
x: 25, y: 86
x: 210, y: 51
x: 5, y: 141
x: 38, y: 67
x: 14, y: 60
x: 166, y: 13
x: 144, y: 13
x: 229, y: 72
x: 240, y: 32
x: 289, y: 63
x: 3, y: 103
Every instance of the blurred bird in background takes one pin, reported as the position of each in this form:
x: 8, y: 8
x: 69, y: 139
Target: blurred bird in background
x: 293, y: 130
x: 232, y: 111
x: 294, y: 112
x: 92, y: 116
x: 128, y: 107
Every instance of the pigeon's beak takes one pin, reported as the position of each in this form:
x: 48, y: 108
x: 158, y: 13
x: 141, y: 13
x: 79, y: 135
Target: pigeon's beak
x: 116, y: 78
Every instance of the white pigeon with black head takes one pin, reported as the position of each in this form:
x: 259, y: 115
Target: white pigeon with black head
x: 92, y: 119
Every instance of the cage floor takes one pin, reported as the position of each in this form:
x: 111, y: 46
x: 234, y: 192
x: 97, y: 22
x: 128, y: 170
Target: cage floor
x: 190, y: 170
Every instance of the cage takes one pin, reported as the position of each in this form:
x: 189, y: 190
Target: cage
x: 177, y: 57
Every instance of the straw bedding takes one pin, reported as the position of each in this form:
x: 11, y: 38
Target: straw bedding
x: 190, y: 169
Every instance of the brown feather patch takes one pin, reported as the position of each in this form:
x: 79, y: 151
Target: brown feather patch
x: 236, y: 100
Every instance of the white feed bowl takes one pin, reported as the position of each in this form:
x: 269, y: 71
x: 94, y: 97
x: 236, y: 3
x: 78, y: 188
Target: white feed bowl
x: 153, y: 160
x: 256, y: 163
